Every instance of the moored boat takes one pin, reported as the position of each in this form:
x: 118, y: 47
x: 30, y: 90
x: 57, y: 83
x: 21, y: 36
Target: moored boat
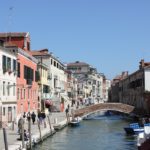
x: 75, y: 122
x: 134, y: 128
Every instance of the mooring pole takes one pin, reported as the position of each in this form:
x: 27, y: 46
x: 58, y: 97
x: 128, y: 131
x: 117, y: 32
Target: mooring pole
x: 5, y: 139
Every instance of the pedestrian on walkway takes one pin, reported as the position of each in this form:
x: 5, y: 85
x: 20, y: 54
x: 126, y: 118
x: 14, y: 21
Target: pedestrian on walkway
x: 28, y: 116
x: 33, y: 116
x: 68, y: 107
x: 67, y: 114
x: 24, y: 115
x: 67, y: 111
x: 40, y: 117
x: 20, y: 124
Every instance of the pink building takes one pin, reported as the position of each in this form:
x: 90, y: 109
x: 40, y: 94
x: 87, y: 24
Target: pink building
x: 27, y: 86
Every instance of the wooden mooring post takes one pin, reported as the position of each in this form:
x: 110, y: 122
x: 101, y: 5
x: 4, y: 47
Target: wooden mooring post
x: 5, y: 139
x: 49, y: 121
x: 39, y: 127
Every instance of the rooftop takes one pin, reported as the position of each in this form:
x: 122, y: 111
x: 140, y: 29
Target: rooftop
x: 14, y: 34
x: 77, y: 63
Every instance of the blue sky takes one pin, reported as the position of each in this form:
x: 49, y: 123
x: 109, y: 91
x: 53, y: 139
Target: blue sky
x: 111, y: 35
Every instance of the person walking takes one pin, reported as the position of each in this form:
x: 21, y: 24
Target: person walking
x: 20, y: 124
x: 67, y: 115
x: 33, y: 116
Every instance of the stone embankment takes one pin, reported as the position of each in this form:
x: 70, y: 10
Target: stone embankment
x: 37, y: 135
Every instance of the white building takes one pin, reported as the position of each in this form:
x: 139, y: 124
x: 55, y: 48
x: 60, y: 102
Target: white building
x: 8, y: 75
x: 107, y: 88
x: 58, y: 78
x: 90, y: 82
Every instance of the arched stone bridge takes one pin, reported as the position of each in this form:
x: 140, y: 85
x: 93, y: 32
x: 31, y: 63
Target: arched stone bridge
x: 124, y: 108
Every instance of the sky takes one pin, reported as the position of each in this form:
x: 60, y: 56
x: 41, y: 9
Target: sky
x: 110, y: 35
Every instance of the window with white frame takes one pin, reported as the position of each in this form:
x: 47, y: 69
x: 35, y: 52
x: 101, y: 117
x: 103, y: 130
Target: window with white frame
x: 3, y: 88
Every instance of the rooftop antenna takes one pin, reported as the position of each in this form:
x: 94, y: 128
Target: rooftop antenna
x: 143, y: 51
x: 9, y: 22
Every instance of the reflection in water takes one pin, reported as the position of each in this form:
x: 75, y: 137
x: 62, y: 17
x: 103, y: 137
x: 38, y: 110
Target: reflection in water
x: 101, y: 133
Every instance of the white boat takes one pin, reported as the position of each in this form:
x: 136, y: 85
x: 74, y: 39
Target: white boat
x: 75, y: 122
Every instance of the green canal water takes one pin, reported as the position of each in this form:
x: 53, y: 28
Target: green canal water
x: 100, y: 133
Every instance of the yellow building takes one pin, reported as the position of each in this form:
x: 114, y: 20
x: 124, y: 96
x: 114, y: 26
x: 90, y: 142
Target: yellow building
x: 44, y: 88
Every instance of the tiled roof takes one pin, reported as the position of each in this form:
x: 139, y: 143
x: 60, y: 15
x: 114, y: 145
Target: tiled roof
x: 14, y: 34
x: 39, y: 53
x: 118, y: 77
x: 77, y: 63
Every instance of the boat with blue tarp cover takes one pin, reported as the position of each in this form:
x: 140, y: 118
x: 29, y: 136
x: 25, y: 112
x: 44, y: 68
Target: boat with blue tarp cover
x: 134, y: 128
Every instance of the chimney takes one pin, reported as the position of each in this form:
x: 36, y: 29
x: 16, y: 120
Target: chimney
x: 124, y: 74
x: 142, y: 64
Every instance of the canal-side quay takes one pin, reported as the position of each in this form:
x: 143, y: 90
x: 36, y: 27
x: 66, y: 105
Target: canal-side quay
x: 57, y: 118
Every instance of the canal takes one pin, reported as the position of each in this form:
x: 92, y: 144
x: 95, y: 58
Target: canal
x: 100, y: 133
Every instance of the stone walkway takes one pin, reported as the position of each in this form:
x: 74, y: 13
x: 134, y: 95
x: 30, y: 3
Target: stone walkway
x: 12, y: 135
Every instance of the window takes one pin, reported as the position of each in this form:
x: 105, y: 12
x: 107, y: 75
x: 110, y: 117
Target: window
x: 24, y: 93
x: 4, y: 111
x: 37, y: 76
x: 18, y: 69
x: 55, y: 63
x: 54, y: 83
x: 51, y: 61
x: 14, y: 89
x: 4, y: 64
x: 28, y: 73
x: 3, y: 88
x: 8, y: 63
x: 14, y: 65
x: 8, y: 89
x: 18, y: 93
x: 21, y: 93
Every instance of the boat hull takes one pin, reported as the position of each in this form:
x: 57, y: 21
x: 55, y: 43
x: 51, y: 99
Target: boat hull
x: 129, y: 130
x: 74, y: 124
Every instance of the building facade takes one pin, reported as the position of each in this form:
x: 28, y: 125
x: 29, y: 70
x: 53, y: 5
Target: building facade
x: 58, y: 78
x: 27, y: 83
x: 8, y: 75
x: 90, y: 82
x: 134, y: 89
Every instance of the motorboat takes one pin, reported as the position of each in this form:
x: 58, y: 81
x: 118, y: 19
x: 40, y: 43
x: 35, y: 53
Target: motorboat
x: 134, y: 128
x: 75, y: 122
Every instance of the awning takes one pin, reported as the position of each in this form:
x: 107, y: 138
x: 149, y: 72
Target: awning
x: 48, y: 102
